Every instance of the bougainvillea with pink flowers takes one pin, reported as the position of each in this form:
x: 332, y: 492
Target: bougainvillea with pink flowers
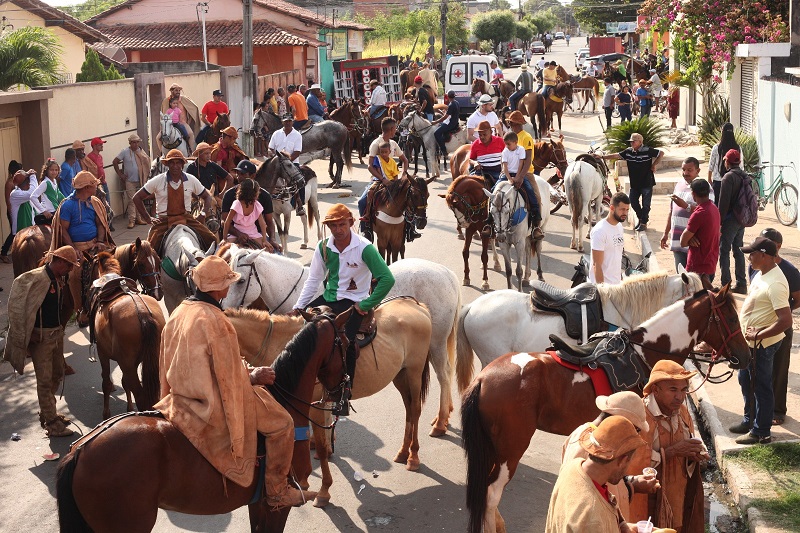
x: 705, y: 33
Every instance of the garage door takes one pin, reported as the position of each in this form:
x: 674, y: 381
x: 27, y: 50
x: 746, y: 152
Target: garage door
x: 748, y: 95
x: 9, y: 149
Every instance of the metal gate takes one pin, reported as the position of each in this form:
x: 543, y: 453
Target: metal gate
x: 747, y: 103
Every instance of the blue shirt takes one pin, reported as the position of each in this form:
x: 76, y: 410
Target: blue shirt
x: 67, y: 174
x: 641, y: 94
x: 81, y: 218
x: 314, y: 107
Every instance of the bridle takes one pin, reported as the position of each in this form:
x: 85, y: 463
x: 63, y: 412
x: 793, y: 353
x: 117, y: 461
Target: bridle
x: 414, y: 212
x: 555, y: 156
x: 142, y: 275
x: 719, y: 321
x: 472, y: 213
x: 254, y: 273
x: 291, y: 183
x: 500, y: 228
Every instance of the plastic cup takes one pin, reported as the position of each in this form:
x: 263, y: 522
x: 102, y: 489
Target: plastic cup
x: 644, y: 526
x: 649, y: 472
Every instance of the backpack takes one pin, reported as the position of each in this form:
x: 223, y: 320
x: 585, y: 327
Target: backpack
x: 746, y: 207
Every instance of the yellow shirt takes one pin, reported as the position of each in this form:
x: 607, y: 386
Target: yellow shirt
x: 525, y: 140
x: 550, y: 76
x: 390, y: 170
x: 768, y: 293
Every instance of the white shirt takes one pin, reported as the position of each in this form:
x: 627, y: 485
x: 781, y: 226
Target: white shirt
x: 378, y: 96
x: 513, y: 159
x: 611, y: 241
x: 158, y: 187
x: 540, y: 64
x: 476, y: 118
x: 39, y: 194
x: 19, y: 197
x: 656, y: 86
x: 280, y: 142
x: 394, y: 148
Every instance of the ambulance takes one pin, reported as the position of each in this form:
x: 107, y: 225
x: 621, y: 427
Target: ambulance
x: 458, y: 76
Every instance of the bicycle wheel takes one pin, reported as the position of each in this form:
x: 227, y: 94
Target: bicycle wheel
x: 762, y: 200
x: 786, y: 204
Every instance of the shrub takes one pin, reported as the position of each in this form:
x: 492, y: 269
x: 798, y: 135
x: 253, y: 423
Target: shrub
x: 749, y: 145
x: 651, y: 130
x: 709, y: 129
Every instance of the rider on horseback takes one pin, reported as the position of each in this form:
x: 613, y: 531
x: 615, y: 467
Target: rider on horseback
x: 549, y: 78
x: 384, y: 172
x: 497, y: 76
x: 226, y: 152
x: 289, y: 142
x: 377, y: 100
x: 347, y: 263
x: 524, y: 86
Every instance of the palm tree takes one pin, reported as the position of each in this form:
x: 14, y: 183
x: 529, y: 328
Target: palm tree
x: 29, y: 56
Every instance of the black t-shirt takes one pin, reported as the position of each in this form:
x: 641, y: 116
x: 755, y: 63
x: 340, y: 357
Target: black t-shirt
x: 230, y: 195
x: 640, y: 165
x: 453, y: 111
x: 51, y: 305
x: 208, y: 174
x: 424, y: 98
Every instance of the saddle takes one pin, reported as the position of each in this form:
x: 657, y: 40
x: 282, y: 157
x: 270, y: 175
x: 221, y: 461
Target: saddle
x: 598, y: 164
x: 580, y: 307
x: 555, y: 98
x: 104, y: 290
x: 367, y: 331
x: 307, y: 126
x: 449, y: 135
x: 610, y: 351
x: 379, y: 112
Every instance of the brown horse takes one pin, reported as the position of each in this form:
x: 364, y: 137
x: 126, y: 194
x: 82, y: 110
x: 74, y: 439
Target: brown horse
x: 405, y: 201
x: 519, y: 393
x: 590, y: 88
x: 563, y: 94
x: 407, y: 78
x: 532, y: 105
x: 116, y: 477
x: 349, y: 114
x: 29, y: 246
x: 481, y: 86
x: 140, y: 262
x: 550, y: 153
x: 213, y: 134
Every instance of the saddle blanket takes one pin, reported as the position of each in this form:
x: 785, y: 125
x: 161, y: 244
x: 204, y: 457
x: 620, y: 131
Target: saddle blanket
x: 602, y: 387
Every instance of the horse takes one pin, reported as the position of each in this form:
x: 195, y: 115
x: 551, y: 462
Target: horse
x: 213, y: 134
x: 481, y: 86
x: 399, y: 354
x: 583, y: 185
x: 407, y: 78
x: 181, y: 252
x: 522, y: 392
x: 127, y: 330
x: 590, y: 83
x: 282, y: 207
x: 349, y: 114
x: 140, y: 262
x: 562, y: 91
x: 532, y: 104
x: 468, y: 200
x: 117, y: 476
x: 624, y: 305
x: 29, y: 246
x: 406, y: 202
x: 278, y: 281
x: 422, y: 128
x: 263, y: 122
x: 171, y: 137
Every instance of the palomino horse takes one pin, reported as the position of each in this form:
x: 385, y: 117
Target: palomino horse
x: 522, y: 392
x: 421, y: 127
x: 128, y: 331
x: 584, y: 188
x: 468, y: 199
x: 140, y: 262
x: 349, y: 114
x: 631, y: 302
x: 171, y: 137
x: 213, y: 134
x: 563, y: 93
x: 29, y: 246
x: 430, y: 283
x: 116, y: 477
x: 398, y: 354
x: 481, y: 86
x: 405, y: 201
x: 282, y: 207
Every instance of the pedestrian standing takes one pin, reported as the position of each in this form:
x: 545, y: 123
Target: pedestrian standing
x: 701, y: 235
x: 624, y: 102
x: 133, y: 174
x: 732, y: 236
x: 13, y: 167
x: 608, y: 242
x: 608, y: 100
x: 716, y: 160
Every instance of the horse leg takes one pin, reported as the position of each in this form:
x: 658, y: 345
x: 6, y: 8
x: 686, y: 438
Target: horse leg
x: 505, y: 250
x: 322, y: 446
x: 538, y: 249
x: 130, y: 380
x: 264, y: 520
x: 485, y: 243
x: 495, y: 257
x: 465, y: 253
x: 521, y: 250
x: 442, y: 364
x: 409, y: 450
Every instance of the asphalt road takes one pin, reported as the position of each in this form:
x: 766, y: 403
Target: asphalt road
x: 393, y: 499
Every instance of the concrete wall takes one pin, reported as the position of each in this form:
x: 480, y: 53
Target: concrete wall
x: 72, y: 47
x: 196, y: 85
x: 268, y: 59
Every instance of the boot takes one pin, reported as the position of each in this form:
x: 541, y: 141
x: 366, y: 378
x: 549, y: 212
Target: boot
x: 366, y: 230
x: 291, y: 497
x: 66, y: 421
x: 537, y: 234
x: 411, y: 233
x: 57, y: 428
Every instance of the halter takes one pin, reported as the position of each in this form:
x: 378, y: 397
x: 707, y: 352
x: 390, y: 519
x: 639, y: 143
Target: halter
x: 499, y: 229
x: 550, y: 163
x: 254, y: 271
x: 150, y: 291
x: 412, y: 213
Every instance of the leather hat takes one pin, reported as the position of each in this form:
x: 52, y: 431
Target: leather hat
x: 203, y: 146
x: 516, y: 118
x: 613, y: 438
x: 77, y: 145
x: 627, y: 404
x: 133, y: 137
x: 230, y: 131
x: 175, y: 86
x: 484, y: 126
x: 174, y: 155
x: 67, y: 253
x: 214, y: 274
x: 665, y: 370
x: 338, y: 212
x: 84, y: 178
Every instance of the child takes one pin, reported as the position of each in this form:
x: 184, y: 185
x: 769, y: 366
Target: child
x: 245, y: 213
x: 176, y: 114
x: 513, y: 154
x: 48, y: 192
x: 384, y: 171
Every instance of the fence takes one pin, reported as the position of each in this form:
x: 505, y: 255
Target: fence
x: 279, y: 79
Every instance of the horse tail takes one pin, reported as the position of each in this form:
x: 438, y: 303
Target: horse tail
x: 540, y: 114
x: 151, y: 340
x: 463, y: 351
x: 348, y: 157
x: 479, y: 449
x: 311, y: 213
x: 425, y: 380
x: 596, y: 88
x: 70, y: 518
x: 574, y: 196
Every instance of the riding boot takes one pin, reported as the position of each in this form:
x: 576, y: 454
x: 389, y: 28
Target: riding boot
x: 350, y: 330
x: 300, y: 209
x: 411, y: 232
x: 366, y: 230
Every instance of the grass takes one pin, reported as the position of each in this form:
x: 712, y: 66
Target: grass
x: 400, y: 47
x: 779, y: 466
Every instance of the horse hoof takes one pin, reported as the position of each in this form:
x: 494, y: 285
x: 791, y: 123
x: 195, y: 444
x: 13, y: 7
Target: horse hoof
x: 321, y: 502
x: 526, y: 283
x: 304, y: 246
x: 412, y: 466
x: 485, y: 286
x: 466, y: 282
x: 460, y: 237
x: 497, y: 268
x: 401, y: 458
x: 437, y: 432
x: 573, y: 246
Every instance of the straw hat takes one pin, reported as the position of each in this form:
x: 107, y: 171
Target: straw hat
x: 484, y: 126
x: 485, y: 99
x: 84, y: 178
x: 134, y: 138
x: 338, y: 212
x: 613, y: 438
x: 665, y: 370
x: 627, y: 404
x: 78, y: 145
x: 174, y: 155
x: 214, y: 274
x: 516, y: 118
x: 175, y: 86
x: 230, y: 131
x: 201, y: 148
x: 66, y: 253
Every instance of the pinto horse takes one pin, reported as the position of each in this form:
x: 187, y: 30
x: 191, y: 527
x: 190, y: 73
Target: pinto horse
x: 519, y: 393
x: 116, y: 477
x: 405, y: 202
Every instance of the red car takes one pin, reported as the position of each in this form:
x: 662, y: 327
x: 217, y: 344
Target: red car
x: 537, y: 47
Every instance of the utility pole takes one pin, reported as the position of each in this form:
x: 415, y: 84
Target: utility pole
x: 444, y: 32
x: 202, y: 7
x: 247, y: 72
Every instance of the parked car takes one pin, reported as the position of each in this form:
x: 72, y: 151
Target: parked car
x: 559, y: 35
x: 584, y: 49
x: 516, y: 57
x: 608, y: 58
x: 537, y: 47
x: 581, y: 57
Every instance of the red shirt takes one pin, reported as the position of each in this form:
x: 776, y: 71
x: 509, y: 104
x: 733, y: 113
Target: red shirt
x: 212, y: 108
x: 704, y: 222
x: 98, y: 160
x: 489, y: 156
x: 602, y: 489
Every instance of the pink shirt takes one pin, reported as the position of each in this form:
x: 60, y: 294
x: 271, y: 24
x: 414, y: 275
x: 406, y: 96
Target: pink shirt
x: 247, y: 223
x: 175, y: 113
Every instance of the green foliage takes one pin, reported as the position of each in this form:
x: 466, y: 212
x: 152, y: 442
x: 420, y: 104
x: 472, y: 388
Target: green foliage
x: 29, y: 56
x: 92, y: 69
x: 709, y: 128
x: 499, y: 4
x: 651, y: 130
x: 113, y: 74
x: 523, y: 31
x: 537, y: 6
x: 495, y: 26
x: 594, y: 14
x: 542, y: 22
x: 402, y: 24
x: 774, y: 458
x: 89, y: 8
x: 751, y: 158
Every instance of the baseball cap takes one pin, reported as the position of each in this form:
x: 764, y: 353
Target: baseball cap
x: 217, y: 93
x: 763, y: 245
x: 773, y: 235
x: 97, y: 140
x: 246, y: 167
x: 418, y: 79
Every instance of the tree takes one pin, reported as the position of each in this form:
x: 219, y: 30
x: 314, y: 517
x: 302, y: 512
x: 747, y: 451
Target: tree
x: 536, y: 6
x: 92, y: 69
x: 113, y: 74
x: 541, y: 22
x: 496, y: 5
x: 595, y: 14
x: 29, y: 56
x: 523, y: 31
x: 495, y: 26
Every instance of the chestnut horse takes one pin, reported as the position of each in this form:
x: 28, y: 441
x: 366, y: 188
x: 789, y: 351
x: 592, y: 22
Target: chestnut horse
x: 29, y: 246
x: 213, y: 134
x: 405, y: 201
x: 481, y: 86
x: 562, y: 91
x: 117, y: 476
x: 349, y: 114
x: 546, y: 154
x: 519, y: 393
x: 139, y: 261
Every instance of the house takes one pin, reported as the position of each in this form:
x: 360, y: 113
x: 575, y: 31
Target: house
x: 72, y: 34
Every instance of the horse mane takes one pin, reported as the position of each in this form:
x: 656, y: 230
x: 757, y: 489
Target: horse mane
x: 292, y: 362
x: 107, y: 263
x: 637, y: 297
x: 459, y: 179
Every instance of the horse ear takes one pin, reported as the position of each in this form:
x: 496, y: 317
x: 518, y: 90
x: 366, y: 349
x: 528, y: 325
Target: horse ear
x: 706, y: 284
x: 429, y: 180
x: 211, y: 250
x: 682, y: 271
x: 308, y: 317
x: 343, y: 318
x: 724, y: 290
x: 138, y: 243
x: 487, y: 193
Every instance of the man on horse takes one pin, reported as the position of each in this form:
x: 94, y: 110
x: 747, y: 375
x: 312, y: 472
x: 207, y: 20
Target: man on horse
x: 315, y: 111
x: 524, y: 176
x: 208, y: 115
x: 207, y: 171
x: 208, y: 395
x: 497, y: 77
x: 485, y: 112
x: 134, y: 173
x: 289, y: 142
x: 524, y: 86
x: 424, y: 98
x: 377, y: 98
x: 675, y: 452
x: 347, y: 263
x: 549, y: 79
x: 36, y: 329
x: 448, y: 121
x: 81, y: 222
x: 173, y: 192
x: 186, y: 105
x: 485, y: 154
x: 297, y: 107
x: 226, y: 152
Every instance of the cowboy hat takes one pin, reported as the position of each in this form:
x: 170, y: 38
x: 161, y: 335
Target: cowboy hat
x: 613, y: 438
x: 230, y: 131
x: 173, y: 155
x: 484, y: 126
x: 66, y: 253
x: 485, y: 99
x: 627, y: 404
x: 524, y: 67
x: 338, y: 212
x: 315, y: 86
x: 516, y: 118
x: 84, y: 178
x: 214, y: 274
x: 666, y: 370
x: 77, y: 145
x: 134, y: 138
x: 201, y: 148
x: 175, y: 86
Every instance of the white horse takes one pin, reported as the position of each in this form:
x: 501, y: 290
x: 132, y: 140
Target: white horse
x: 282, y: 208
x: 279, y: 281
x: 421, y: 126
x: 181, y: 252
x: 171, y: 137
x: 505, y: 321
x: 583, y: 185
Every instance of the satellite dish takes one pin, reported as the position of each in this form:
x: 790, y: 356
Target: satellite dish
x: 111, y: 51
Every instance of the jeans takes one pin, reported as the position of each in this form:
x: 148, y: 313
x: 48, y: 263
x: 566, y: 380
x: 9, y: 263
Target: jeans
x: 642, y: 211
x: 440, y: 134
x: 609, y: 111
x: 680, y: 259
x: 429, y: 116
x: 731, y: 238
x: 625, y: 113
x: 183, y: 129
x: 299, y: 124
x: 756, y: 384
x: 315, y: 118
x: 717, y: 186
x: 644, y: 110
x: 516, y: 97
x: 780, y: 373
x: 492, y: 175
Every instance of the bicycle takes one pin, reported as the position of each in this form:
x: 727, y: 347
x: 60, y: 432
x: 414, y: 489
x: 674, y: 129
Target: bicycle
x: 783, y: 195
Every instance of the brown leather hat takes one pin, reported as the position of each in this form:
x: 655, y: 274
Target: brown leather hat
x: 84, y: 178
x: 67, y: 253
x: 214, y: 274
x: 78, y: 145
x: 665, y: 370
x: 627, y: 404
x: 516, y: 118
x: 201, y: 148
x: 338, y: 212
x: 230, y: 131
x: 613, y: 438
x: 174, y: 155
x: 484, y: 126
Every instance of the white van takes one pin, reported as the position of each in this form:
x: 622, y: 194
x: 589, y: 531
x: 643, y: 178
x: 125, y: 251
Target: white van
x: 458, y: 76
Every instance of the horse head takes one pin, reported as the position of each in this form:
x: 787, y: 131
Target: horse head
x: 559, y: 154
x: 417, y: 203
x: 248, y: 288
x: 147, y: 266
x: 103, y: 263
x: 478, y: 86
x: 723, y: 332
x: 222, y: 121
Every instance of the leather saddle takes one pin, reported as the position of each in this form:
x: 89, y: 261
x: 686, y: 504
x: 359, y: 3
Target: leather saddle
x: 379, y: 112
x: 449, y: 135
x: 307, y: 126
x: 598, y: 164
x: 580, y: 307
x: 106, y: 289
x: 367, y: 331
x: 610, y: 351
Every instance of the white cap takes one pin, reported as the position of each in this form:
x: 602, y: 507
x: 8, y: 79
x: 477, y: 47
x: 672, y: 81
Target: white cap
x: 315, y: 86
